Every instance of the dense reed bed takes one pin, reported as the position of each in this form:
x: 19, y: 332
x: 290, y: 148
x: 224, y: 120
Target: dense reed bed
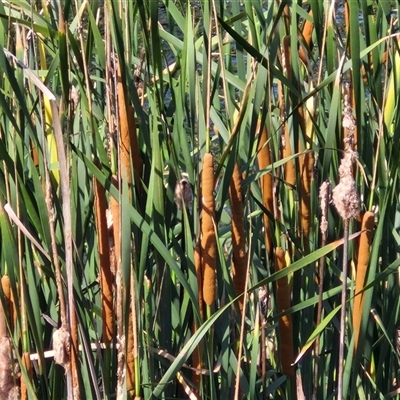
x: 163, y: 229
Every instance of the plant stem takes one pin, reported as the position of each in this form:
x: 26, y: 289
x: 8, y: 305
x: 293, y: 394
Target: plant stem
x: 343, y: 311
x: 324, y: 201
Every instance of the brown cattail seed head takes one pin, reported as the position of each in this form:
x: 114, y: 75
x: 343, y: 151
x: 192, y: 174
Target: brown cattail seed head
x: 8, y: 389
x: 183, y: 193
x: 344, y: 195
x: 61, y: 346
x: 324, y: 200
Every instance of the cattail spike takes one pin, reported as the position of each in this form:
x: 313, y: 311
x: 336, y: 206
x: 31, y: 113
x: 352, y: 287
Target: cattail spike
x: 208, y: 241
x: 363, y: 255
x: 239, y: 258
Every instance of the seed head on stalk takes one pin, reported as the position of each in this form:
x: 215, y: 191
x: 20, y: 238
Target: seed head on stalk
x: 346, y: 200
x: 344, y: 195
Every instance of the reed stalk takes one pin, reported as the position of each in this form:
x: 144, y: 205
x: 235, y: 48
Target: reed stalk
x: 342, y: 324
x: 346, y: 201
x: 324, y: 196
x: 128, y: 148
x: 283, y: 299
x: 119, y: 299
x: 130, y: 357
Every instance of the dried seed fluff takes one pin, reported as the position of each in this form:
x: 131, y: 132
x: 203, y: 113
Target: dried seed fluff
x: 344, y: 195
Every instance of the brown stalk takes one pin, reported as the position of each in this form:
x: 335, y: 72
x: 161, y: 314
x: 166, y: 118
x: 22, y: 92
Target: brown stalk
x: 363, y: 255
x: 130, y: 359
x: 6, y: 287
x: 9, y: 302
x: 8, y: 389
x: 106, y: 275
x: 307, y: 35
x: 27, y: 365
x: 115, y: 212
x: 34, y: 153
x: 128, y: 147
x: 289, y: 167
x: 267, y: 185
x: 306, y: 165
x: 286, y: 57
x: 199, y: 275
x: 208, y: 241
x: 349, y: 96
x: 115, y: 261
x: 72, y: 374
x: 124, y: 131
x: 283, y: 299
x: 239, y: 257
x: 286, y: 17
x: 26, y: 361
x: 348, y: 109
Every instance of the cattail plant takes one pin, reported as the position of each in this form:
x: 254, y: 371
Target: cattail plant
x: 307, y: 31
x: 289, y: 167
x: 115, y: 258
x: 363, y: 256
x: 208, y: 241
x: 267, y: 185
x: 128, y: 153
x: 8, y: 389
x: 150, y: 81
x: 324, y: 198
x: 9, y: 299
x: 124, y: 129
x: 106, y: 275
x: 346, y: 200
x: 306, y: 164
x: 239, y: 255
x: 27, y: 366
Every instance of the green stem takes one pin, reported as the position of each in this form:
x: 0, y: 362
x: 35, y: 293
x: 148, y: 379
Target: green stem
x: 343, y: 311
